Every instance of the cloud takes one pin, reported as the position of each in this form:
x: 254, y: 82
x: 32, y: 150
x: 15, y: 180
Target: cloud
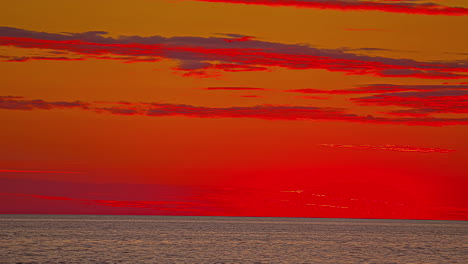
x: 234, y: 88
x: 125, y: 59
x: 25, y: 58
x: 175, y: 206
x: 266, y: 112
x: 193, y: 65
x: 423, y: 94
x: 378, y: 88
x: 398, y: 148
x: 383, y: 88
x: 423, y: 103
x: 16, y: 103
x: 412, y: 112
x: 243, y: 38
x: 313, y: 97
x: 39, y: 171
x: 208, y: 57
x: 117, y: 110
x: 423, y: 74
x: 318, y: 91
x: 409, y: 6
x: 250, y: 96
x: 204, y: 70
x: 275, y: 112
x: 365, y: 29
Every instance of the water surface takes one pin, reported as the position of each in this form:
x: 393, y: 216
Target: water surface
x: 209, y: 240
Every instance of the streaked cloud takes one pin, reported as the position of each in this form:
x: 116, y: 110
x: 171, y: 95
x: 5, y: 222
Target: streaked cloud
x: 32, y: 58
x: 313, y: 97
x: 384, y: 88
x: 17, y: 103
x: 209, y: 57
x: 423, y: 103
x: 250, y: 96
x: 175, y: 206
x: 365, y: 29
x: 39, y: 171
x: 266, y: 112
x: 234, y: 88
x: 399, y: 148
x: 419, y: 7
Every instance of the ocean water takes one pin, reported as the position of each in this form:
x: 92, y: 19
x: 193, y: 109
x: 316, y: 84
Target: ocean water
x: 227, y: 240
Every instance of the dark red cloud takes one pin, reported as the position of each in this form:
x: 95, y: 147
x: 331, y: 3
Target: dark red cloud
x: 208, y: 57
x: 24, y: 58
x: 422, y: 74
x: 243, y: 38
x: 23, y: 196
x: 125, y: 59
x: 234, y: 88
x: 39, y: 171
x: 423, y: 103
x: 408, y: 7
x: 207, y: 71
x: 232, y: 67
x: 318, y: 91
x: 118, y: 110
x: 412, y: 112
x: 174, y: 206
x: 197, y: 73
x: 250, y: 96
x: 398, y: 148
x: 17, y: 103
x: 365, y: 29
x: 313, y: 97
x: 266, y: 112
x: 383, y: 88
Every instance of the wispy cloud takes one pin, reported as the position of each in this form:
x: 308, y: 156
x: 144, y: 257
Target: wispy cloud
x: 313, y: 97
x: 41, y: 58
x: 266, y: 112
x: 423, y: 103
x: 398, y: 148
x: 409, y: 6
x: 234, y: 88
x: 175, y: 206
x: 383, y: 88
x: 238, y: 38
x: 208, y: 57
x: 423, y: 100
x: 17, y: 103
x: 250, y: 96
x: 366, y: 29
x: 39, y: 171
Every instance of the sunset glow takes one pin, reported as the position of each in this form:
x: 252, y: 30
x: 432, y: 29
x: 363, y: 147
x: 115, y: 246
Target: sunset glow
x: 295, y: 108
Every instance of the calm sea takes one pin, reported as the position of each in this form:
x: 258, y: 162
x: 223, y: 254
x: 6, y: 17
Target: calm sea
x: 216, y: 240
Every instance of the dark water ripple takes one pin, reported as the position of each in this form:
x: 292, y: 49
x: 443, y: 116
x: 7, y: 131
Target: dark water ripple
x: 55, y: 239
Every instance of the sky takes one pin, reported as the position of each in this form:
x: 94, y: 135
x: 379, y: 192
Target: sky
x: 294, y: 108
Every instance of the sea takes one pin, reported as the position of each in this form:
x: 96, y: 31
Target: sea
x: 82, y: 239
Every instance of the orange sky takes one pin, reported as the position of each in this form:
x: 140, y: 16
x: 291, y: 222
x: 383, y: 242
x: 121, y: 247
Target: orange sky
x: 247, y: 109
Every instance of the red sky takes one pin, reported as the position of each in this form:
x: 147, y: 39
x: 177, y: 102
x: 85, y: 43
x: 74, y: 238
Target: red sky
x: 347, y: 109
